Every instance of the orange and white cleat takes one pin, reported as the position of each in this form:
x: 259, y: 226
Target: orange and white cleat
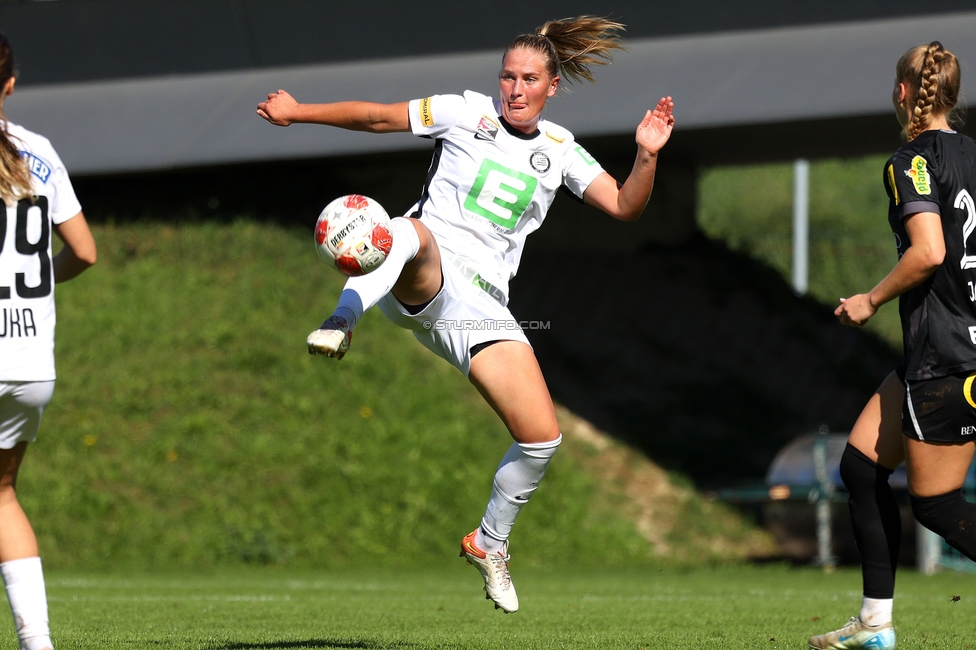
x: 494, y: 569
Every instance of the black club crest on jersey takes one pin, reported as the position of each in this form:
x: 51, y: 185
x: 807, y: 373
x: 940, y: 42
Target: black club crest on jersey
x: 487, y: 130
x: 539, y: 162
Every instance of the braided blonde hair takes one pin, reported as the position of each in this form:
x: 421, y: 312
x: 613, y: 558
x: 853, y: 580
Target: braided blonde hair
x: 573, y: 45
x: 15, y: 178
x: 932, y: 73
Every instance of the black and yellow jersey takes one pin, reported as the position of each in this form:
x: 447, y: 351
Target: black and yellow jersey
x: 936, y: 172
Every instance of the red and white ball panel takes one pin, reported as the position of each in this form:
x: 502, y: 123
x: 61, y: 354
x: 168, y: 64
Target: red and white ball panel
x: 353, y: 234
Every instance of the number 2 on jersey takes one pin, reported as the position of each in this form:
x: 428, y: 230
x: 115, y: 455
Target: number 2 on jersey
x: 24, y: 246
x: 965, y: 202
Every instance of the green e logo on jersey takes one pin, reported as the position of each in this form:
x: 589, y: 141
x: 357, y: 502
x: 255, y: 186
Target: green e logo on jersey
x: 500, y: 194
x: 585, y: 155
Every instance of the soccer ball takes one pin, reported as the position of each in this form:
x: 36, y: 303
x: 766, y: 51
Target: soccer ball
x: 353, y: 233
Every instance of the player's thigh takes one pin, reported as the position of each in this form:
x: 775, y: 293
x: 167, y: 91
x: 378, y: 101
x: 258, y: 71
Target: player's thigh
x: 508, y: 375
x: 939, y: 425
x: 877, y: 433
x: 420, y: 279
x: 937, y: 468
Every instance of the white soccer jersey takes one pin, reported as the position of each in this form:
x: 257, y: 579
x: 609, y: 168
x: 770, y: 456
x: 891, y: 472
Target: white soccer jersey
x: 26, y: 269
x: 489, y: 187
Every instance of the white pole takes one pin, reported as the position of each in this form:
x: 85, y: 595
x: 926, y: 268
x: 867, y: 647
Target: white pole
x: 928, y: 552
x: 801, y: 224
x: 825, y: 493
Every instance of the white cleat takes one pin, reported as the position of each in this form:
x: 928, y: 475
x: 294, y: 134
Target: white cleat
x: 494, y: 569
x: 332, y: 338
x: 856, y: 636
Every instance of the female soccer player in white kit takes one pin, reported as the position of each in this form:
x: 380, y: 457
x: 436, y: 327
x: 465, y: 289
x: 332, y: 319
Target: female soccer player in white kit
x: 39, y: 199
x: 496, y: 168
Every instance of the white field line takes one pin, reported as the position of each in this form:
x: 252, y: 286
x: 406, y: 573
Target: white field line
x: 175, y: 597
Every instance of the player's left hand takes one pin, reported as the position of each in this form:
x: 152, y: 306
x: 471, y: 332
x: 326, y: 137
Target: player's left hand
x: 278, y: 108
x: 856, y: 310
x: 655, y: 129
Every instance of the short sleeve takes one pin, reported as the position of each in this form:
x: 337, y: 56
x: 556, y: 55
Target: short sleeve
x: 910, y: 183
x: 434, y: 116
x: 49, y: 177
x: 579, y: 169
x: 66, y: 203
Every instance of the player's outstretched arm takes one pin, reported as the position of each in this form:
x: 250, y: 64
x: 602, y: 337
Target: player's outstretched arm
x: 282, y: 109
x: 626, y: 202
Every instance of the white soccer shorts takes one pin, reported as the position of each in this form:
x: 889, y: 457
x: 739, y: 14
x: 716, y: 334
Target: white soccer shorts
x: 21, y: 406
x: 461, y: 316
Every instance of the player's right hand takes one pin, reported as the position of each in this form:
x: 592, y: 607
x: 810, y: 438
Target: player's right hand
x: 856, y: 310
x: 278, y: 108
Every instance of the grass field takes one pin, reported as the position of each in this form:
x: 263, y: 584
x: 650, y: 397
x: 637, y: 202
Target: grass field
x: 201, y: 483
x: 442, y: 607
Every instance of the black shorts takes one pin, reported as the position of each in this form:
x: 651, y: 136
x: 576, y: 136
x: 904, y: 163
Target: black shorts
x: 941, y: 409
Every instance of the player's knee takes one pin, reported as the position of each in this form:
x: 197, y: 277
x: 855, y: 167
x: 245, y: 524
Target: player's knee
x: 410, y: 233
x: 538, y: 435
x: 858, y: 472
x: 948, y: 515
x: 7, y: 493
x: 542, y: 448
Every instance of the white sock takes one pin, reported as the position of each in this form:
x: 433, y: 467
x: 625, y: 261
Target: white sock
x: 517, y: 477
x: 363, y: 292
x: 24, y: 581
x: 876, y: 611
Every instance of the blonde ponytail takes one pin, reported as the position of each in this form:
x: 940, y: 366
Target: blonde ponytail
x: 573, y: 45
x: 932, y: 73
x: 15, y: 180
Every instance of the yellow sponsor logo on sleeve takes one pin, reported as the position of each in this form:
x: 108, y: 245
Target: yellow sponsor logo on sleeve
x: 557, y: 139
x: 919, y: 174
x: 891, y: 183
x: 426, y: 117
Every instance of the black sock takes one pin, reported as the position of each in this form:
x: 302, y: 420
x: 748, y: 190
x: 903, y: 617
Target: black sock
x: 876, y: 520
x: 950, y: 516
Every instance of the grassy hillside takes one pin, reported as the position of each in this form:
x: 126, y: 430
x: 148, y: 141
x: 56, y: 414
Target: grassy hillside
x: 189, y: 426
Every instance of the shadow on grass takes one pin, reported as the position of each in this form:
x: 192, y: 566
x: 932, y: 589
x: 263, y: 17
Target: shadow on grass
x: 309, y: 643
x: 681, y: 378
